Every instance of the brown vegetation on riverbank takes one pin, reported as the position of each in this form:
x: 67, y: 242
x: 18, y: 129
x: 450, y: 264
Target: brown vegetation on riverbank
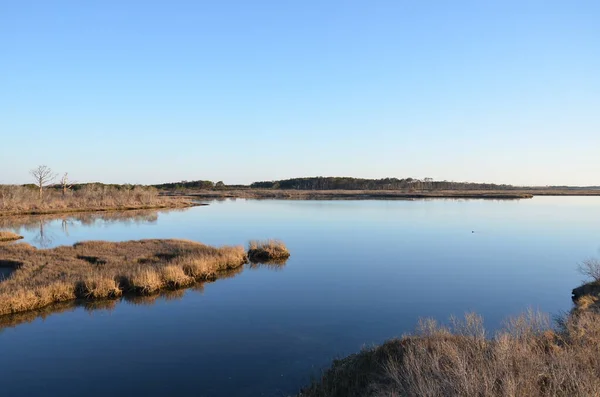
x: 339, y: 194
x: 347, y: 194
x: 23, y: 200
x: 526, y: 358
x: 100, y: 269
x: 9, y: 236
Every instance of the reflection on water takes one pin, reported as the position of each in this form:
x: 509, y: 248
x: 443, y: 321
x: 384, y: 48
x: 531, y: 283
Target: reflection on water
x: 273, y: 264
x: 360, y: 272
x: 13, y: 320
x: 46, y: 231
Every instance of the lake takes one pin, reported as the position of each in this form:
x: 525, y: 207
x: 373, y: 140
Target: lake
x: 360, y: 272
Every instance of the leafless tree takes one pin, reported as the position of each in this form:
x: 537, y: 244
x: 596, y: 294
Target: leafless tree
x: 590, y: 268
x: 65, y: 183
x: 43, y: 177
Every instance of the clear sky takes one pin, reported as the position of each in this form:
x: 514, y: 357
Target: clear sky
x: 503, y: 91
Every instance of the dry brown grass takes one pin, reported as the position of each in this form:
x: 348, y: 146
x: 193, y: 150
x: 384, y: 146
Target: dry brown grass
x: 9, y: 236
x: 267, y: 250
x: 586, y: 302
x: 16, y: 200
x: 294, y: 194
x: 526, y: 358
x: 101, y: 269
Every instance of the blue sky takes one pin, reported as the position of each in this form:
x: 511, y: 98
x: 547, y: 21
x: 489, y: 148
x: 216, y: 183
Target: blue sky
x: 153, y: 91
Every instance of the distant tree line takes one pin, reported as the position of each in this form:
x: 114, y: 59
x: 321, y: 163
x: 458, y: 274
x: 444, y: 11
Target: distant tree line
x: 189, y: 185
x: 45, y: 179
x: 348, y: 183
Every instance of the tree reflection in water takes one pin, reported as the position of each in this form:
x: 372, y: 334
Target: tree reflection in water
x: 44, y: 236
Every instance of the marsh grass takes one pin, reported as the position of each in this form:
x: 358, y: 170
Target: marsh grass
x: 15, y: 200
x: 339, y: 194
x: 109, y: 304
x: 525, y: 358
x: 9, y: 236
x: 100, y: 269
x: 267, y: 251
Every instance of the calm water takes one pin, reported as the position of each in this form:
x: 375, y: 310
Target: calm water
x: 360, y: 272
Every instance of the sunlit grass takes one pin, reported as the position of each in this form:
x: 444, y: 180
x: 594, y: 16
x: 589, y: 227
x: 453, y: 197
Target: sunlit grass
x: 102, y: 269
x: 267, y: 250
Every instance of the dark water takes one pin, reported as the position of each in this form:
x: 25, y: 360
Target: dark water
x: 360, y: 272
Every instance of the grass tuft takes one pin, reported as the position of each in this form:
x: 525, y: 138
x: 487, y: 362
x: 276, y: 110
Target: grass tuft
x: 267, y: 250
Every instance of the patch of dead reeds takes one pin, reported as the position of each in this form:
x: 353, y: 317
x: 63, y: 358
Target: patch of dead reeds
x: 102, y: 269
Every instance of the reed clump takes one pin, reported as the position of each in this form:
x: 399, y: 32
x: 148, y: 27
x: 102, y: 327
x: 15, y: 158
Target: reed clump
x: 6, y: 235
x: 267, y: 250
x: 102, y: 269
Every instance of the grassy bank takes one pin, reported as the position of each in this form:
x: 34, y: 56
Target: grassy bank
x: 99, y: 269
x: 24, y: 200
x: 348, y: 194
x: 296, y: 194
x: 9, y: 236
x: 528, y: 357
x: 93, y: 305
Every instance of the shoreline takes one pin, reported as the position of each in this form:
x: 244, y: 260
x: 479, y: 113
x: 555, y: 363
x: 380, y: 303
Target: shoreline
x: 282, y: 194
x: 348, y: 194
x: 14, y: 319
x: 274, y: 194
x: 98, y: 270
x: 463, y: 359
x: 59, y: 211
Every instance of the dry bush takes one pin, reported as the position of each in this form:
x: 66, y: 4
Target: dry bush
x: 268, y: 250
x: 101, y: 269
x: 586, y: 302
x: 524, y: 359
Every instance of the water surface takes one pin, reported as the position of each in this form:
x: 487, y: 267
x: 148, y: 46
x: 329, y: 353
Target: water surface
x: 360, y: 272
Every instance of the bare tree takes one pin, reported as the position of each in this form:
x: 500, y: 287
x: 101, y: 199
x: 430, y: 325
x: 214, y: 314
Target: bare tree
x: 65, y: 183
x: 590, y: 268
x: 43, y: 177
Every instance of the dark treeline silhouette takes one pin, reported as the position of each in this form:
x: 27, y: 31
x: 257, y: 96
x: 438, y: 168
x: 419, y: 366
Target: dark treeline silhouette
x: 348, y: 183
x: 315, y: 183
x: 188, y: 185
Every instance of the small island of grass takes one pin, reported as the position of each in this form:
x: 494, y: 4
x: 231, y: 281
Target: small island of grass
x: 100, y: 269
x: 267, y: 251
